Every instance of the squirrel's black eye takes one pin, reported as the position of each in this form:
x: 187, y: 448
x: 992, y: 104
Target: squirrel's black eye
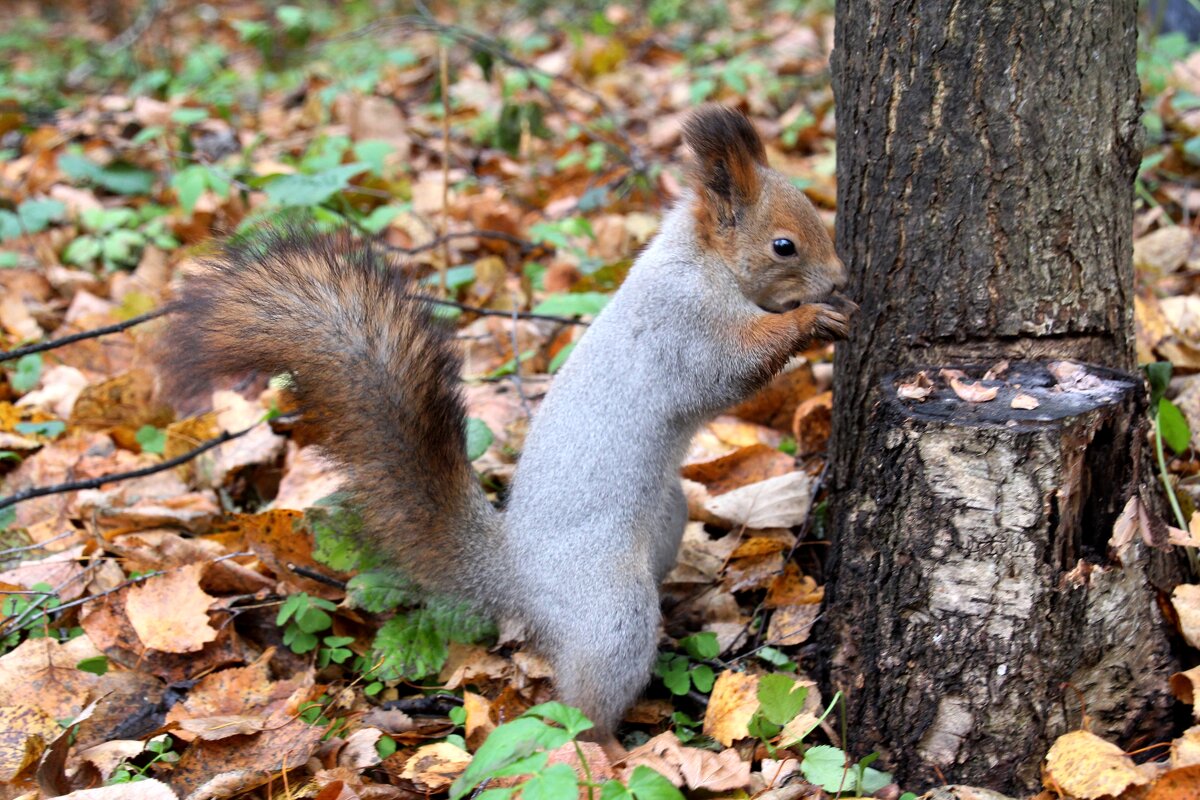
x: 784, y: 247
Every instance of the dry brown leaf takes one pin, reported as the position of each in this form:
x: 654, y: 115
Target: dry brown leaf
x: 812, y: 424
x: 1178, y: 784
x: 793, y: 588
x: 170, y: 612
x: 1185, y: 749
x: 733, y: 702
x: 435, y: 766
x: 243, y: 762
x: 1183, y: 685
x: 1083, y: 765
x: 779, y: 502
x: 107, y: 756
x: 714, y: 772
x: 742, y: 467
x: 43, y: 673
x: 1186, y: 600
x: 479, y: 720
x: 1025, y: 402
x: 1164, y: 250
x: 918, y: 388
x: 974, y: 392
x: 25, y: 731
x: 141, y: 790
x: 791, y: 625
x: 359, y: 752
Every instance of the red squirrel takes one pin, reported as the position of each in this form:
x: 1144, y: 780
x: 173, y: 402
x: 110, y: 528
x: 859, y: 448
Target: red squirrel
x: 740, y: 276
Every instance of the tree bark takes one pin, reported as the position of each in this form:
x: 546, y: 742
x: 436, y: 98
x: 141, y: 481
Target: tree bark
x: 986, y: 157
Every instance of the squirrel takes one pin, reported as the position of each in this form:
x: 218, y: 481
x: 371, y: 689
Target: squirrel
x: 740, y: 276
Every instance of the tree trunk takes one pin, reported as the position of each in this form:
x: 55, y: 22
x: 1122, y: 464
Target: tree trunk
x: 986, y: 157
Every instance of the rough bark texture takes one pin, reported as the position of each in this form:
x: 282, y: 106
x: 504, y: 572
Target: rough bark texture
x: 986, y: 154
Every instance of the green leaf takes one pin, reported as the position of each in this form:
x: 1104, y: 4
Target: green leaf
x: 826, y: 767
x: 571, y: 718
x: 571, y: 305
x: 873, y: 780
x: 409, y: 646
x: 781, y: 698
x: 456, y: 277
x: 518, y: 745
x: 479, y: 438
x: 8, y: 259
x: 33, y: 216
x: 1173, y: 426
x: 614, y: 790
x: 97, y: 665
x: 385, y: 746
x: 1158, y: 374
x: 556, y: 782
x: 379, y: 218
x: 189, y: 183
x: 51, y: 429
x: 311, y: 190
x: 373, y: 152
x: 646, y: 784
x: 8, y: 455
x: 380, y: 590
x: 189, y: 116
x: 152, y: 439
x: 117, y: 177
x: 337, y: 525
x: 27, y: 373
x: 703, y: 678
x: 82, y: 251
x: 701, y: 645
x: 313, y: 620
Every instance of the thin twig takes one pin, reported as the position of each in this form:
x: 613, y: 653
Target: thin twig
x: 319, y: 577
x: 77, y: 337
x: 516, y: 373
x: 97, y: 482
x: 525, y: 245
x: 492, y: 312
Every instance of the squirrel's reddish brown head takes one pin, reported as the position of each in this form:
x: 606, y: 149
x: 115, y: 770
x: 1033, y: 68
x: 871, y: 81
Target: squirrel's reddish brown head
x: 762, y: 226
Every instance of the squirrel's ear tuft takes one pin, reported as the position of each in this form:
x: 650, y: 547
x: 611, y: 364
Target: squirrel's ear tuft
x: 728, y: 152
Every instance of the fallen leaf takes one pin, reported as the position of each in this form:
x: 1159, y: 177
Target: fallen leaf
x: 141, y: 790
x: 1083, y: 765
x: 1026, y: 402
x: 779, y: 502
x: 25, y: 732
x: 973, y: 392
x: 1186, y: 600
x: 1163, y: 250
x: 918, y: 388
x: 1185, y: 749
x: 42, y: 673
x: 791, y: 624
x: 732, y: 703
x: 742, y: 467
x: 170, y: 612
x: 1178, y: 784
x: 435, y: 766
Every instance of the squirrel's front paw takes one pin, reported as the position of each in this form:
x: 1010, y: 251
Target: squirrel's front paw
x: 824, y: 322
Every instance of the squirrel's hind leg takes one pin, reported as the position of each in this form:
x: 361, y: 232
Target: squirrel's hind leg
x: 603, y: 649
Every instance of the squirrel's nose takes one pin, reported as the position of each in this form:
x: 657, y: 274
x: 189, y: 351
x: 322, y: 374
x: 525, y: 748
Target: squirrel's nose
x: 837, y: 273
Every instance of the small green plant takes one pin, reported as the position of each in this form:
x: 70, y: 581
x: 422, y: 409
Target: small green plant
x: 163, y: 748
x: 679, y: 672
x: 27, y: 615
x: 522, y: 747
x: 1170, y: 427
x: 116, y: 237
x: 412, y: 644
x: 27, y: 373
x: 303, y: 617
x: 31, y: 216
x: 151, y: 439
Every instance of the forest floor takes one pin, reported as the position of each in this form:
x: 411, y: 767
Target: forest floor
x: 206, y: 626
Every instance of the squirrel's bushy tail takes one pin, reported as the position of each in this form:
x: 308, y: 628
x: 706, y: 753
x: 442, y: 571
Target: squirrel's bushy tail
x: 375, y: 377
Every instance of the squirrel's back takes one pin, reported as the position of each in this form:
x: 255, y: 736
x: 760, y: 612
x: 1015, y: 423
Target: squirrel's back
x: 375, y: 376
